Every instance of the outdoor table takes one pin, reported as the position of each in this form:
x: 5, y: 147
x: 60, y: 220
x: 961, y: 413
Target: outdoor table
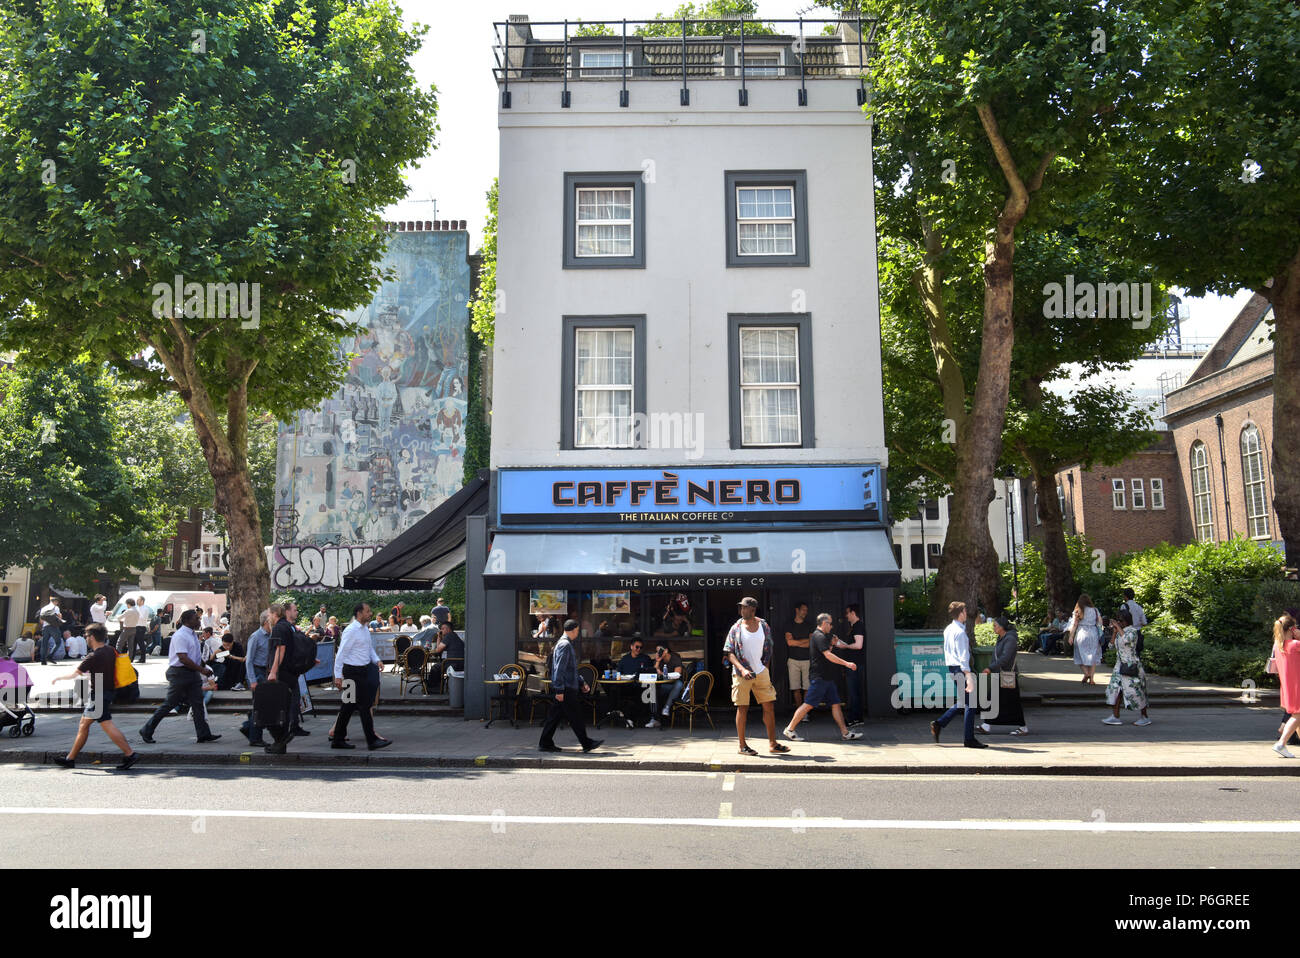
x: 502, y: 697
x: 617, y: 693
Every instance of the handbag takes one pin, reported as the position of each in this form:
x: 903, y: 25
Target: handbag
x: 1272, y: 664
x: 1007, y: 680
x: 1130, y: 669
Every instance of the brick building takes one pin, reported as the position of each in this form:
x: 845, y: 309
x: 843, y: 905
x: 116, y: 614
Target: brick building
x: 1222, y: 424
x: 1220, y: 434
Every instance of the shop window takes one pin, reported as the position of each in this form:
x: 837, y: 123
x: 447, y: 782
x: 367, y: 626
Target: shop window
x: 767, y: 218
x: 603, y: 381
x: 604, y: 221
x: 771, y: 390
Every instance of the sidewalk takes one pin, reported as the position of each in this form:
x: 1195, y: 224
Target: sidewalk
x: 1220, y: 739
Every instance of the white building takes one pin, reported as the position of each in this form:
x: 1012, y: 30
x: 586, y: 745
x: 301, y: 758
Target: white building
x: 918, y: 542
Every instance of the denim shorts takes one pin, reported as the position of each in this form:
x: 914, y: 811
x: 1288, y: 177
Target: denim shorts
x: 100, y: 713
x: 821, y: 692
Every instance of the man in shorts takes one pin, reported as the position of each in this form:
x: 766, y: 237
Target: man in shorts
x: 747, y: 652
x: 821, y: 685
x: 796, y: 640
x: 100, y: 667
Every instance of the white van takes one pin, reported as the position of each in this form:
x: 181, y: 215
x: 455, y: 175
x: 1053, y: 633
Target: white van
x: 169, y: 606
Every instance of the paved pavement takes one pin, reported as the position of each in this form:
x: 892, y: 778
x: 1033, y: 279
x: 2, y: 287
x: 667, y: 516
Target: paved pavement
x: 371, y: 817
x: 1201, y: 730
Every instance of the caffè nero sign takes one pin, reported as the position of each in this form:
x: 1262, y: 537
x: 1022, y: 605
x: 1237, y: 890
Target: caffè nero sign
x: 690, y: 495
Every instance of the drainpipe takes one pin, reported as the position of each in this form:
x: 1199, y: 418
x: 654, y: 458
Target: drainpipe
x: 1223, y: 464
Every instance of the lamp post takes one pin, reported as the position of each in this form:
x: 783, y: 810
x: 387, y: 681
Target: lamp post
x: 1007, y: 480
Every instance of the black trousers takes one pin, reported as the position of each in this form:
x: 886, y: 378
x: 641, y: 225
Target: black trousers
x: 358, y: 699
x: 570, y: 709
x: 141, y: 643
x: 184, y: 686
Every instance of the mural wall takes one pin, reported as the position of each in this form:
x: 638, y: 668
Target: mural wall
x: 389, y: 446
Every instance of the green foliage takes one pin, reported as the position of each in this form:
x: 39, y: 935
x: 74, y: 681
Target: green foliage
x: 339, y: 603
x: 1212, y: 586
x: 1033, y: 607
x: 911, y: 604
x: 1171, y: 649
x: 478, y: 430
x: 1272, y: 598
x: 591, y: 30
x: 725, y: 13
x: 1145, y: 572
x: 73, y: 501
x: 483, y: 307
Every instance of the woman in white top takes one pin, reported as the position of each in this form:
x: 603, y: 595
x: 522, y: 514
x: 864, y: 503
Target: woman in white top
x: 1085, y: 636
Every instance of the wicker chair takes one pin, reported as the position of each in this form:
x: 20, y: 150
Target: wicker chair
x: 400, y: 646
x: 508, y: 697
x: 695, y: 699
x: 413, y: 670
x: 587, y: 673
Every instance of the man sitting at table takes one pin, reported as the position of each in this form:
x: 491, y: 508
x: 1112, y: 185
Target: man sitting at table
x: 449, y: 646
x: 668, y: 664
x: 636, y: 662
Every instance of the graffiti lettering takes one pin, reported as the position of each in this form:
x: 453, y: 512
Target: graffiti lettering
x: 310, y: 567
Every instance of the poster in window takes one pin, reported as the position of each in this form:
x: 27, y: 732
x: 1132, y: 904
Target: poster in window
x: 611, y: 603
x: 548, y: 602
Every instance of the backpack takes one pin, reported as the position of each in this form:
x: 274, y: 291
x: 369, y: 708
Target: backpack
x: 126, y: 682
x: 271, y: 704
x: 301, y: 656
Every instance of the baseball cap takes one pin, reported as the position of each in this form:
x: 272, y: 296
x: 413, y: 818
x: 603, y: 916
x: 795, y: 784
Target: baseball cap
x: 749, y: 601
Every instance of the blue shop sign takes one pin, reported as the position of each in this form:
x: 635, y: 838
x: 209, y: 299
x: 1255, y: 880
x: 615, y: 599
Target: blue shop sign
x: 708, y: 494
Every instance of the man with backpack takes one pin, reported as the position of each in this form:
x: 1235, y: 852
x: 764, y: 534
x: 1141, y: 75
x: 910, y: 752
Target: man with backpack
x: 290, y: 654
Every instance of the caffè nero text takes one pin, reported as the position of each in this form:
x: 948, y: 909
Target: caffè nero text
x: 667, y: 492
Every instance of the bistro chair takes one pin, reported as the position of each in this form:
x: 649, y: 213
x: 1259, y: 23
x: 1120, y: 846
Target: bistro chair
x: 587, y: 673
x: 508, y: 696
x: 695, y: 699
x: 400, y: 646
x: 538, y: 698
x: 413, y: 663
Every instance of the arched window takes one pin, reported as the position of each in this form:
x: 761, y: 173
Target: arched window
x: 1252, y: 475
x: 1202, y: 505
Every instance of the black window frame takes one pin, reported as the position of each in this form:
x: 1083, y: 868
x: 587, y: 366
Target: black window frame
x: 576, y: 181
x: 798, y: 179
x: 807, y: 422
x: 568, y: 375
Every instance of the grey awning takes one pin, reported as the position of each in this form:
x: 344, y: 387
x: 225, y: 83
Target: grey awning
x: 730, y: 559
x: 428, y: 550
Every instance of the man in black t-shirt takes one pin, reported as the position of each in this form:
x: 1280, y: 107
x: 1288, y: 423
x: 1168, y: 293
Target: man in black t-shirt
x: 100, y: 668
x: 279, y: 655
x: 796, y: 641
x: 852, y: 650
x: 823, y: 665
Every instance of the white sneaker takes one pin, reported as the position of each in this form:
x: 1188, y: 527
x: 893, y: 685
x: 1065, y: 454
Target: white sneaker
x: 653, y: 723
x: 1023, y: 730
x: 792, y: 735
x: 1111, y: 720
x: 1143, y: 721
x: 851, y: 736
x: 984, y: 727
x: 1282, y: 750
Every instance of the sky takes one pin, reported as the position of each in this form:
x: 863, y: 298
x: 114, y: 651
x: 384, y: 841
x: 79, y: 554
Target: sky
x: 457, y: 57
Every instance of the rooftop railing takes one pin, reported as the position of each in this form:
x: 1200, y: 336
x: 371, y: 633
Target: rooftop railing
x: 684, y: 49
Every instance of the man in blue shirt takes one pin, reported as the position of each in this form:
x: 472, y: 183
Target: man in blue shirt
x: 185, y: 672
x: 255, y: 659
x: 567, y: 688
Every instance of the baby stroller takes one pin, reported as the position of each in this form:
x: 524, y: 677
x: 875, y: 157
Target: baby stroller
x: 15, y: 688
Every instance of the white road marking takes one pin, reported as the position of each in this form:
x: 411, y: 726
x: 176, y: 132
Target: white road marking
x: 729, y: 783
x: 724, y: 810
x: 884, y: 824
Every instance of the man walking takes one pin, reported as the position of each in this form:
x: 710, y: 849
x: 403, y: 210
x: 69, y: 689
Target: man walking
x: 51, y: 620
x: 127, y: 622
x: 255, y: 670
x: 796, y: 640
x: 821, y: 689
x: 185, y: 674
x: 567, y: 690
x: 356, y: 672
x: 281, y: 667
x: 100, y: 668
x: 143, y: 630
x: 747, y: 652
x: 956, y: 655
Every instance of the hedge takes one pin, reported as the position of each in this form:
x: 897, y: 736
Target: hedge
x: 339, y: 602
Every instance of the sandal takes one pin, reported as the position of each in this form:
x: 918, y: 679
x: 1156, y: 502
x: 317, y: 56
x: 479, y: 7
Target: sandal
x: 746, y: 750
x: 778, y: 747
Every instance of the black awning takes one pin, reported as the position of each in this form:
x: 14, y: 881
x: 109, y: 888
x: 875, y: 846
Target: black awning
x: 428, y: 550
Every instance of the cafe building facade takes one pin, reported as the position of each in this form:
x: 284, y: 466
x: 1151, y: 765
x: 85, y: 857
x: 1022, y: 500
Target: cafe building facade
x: 686, y: 387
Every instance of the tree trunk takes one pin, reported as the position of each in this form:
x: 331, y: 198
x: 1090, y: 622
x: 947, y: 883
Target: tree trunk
x: 1285, y: 296
x: 1056, y: 557
x: 249, y: 576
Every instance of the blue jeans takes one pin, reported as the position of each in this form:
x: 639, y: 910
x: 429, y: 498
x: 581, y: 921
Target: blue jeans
x: 853, y: 686
x: 674, y: 693
x: 965, y: 702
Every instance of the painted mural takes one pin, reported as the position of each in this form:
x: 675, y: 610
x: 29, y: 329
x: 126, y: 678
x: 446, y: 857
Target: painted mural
x: 389, y: 446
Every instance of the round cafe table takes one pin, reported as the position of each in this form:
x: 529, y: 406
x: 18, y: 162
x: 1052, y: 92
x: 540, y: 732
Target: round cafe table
x: 503, y: 696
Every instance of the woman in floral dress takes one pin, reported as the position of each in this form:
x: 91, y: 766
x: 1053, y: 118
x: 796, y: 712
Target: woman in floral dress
x: 1127, y: 690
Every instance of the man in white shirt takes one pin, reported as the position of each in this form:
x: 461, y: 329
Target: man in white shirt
x: 99, y: 610
x: 1135, y: 610
x: 128, y: 621
x: 748, y: 652
x: 143, y: 630
x: 209, y: 621
x: 76, y: 646
x: 185, y: 674
x: 356, y: 672
x: 956, y: 655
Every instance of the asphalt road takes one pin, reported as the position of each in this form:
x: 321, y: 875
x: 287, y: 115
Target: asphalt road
x: 209, y: 817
